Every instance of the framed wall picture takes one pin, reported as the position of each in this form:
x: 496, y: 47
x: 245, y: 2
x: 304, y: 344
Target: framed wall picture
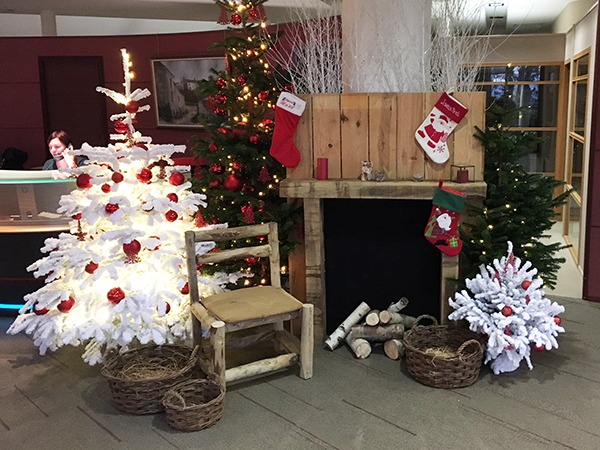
x: 177, y: 102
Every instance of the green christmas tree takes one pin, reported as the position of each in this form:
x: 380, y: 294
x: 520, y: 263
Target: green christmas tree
x: 520, y: 207
x: 239, y: 176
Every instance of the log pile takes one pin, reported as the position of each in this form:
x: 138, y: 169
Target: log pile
x: 366, y: 327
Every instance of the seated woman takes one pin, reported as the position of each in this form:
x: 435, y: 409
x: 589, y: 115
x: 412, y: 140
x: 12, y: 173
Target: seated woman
x: 59, y: 144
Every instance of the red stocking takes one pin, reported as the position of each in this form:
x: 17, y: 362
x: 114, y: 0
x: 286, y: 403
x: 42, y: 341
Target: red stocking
x: 442, y: 226
x: 288, y: 110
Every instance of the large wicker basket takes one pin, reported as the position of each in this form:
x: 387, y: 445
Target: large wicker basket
x: 442, y: 356
x: 194, y: 405
x: 139, y: 378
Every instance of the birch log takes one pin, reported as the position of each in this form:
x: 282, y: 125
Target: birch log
x: 394, y: 348
x: 372, y: 318
x: 342, y: 331
x: 399, y: 305
x: 380, y: 333
x: 359, y: 346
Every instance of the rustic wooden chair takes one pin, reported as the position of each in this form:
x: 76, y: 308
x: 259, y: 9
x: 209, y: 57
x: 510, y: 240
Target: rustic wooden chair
x: 261, y: 310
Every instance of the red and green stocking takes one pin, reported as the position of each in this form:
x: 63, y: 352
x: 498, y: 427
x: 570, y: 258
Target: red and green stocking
x: 442, y: 226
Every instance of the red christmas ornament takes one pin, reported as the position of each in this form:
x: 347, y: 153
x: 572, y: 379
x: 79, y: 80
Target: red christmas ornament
x: 217, y: 168
x: 105, y: 188
x: 233, y: 183
x: 212, y: 147
x: 66, y: 305
x: 39, y: 312
x: 173, y: 197
x: 266, y: 122
x: 91, y: 267
x: 214, y: 183
x: 223, y: 130
x: 115, y: 295
x: 144, y: 176
x: 557, y: 320
x: 236, y: 19
x: 251, y: 260
x: 263, y: 96
x: 253, y: 13
x: 111, y: 208
x: 167, y: 307
x: 117, y: 177
x: 507, y: 311
x: 176, y: 178
x: 132, y: 248
x: 525, y: 284
x: 221, y: 83
x: 507, y: 331
x: 83, y: 181
x: 219, y: 111
x: 132, y: 107
x: 121, y: 127
x: 247, y: 188
x: 185, y: 290
x: 539, y: 348
x: 527, y: 299
x: 76, y: 216
x: 221, y: 98
x: 264, y: 175
x: 242, y: 79
x: 171, y: 215
x: 248, y: 211
x: 254, y: 139
x: 237, y: 166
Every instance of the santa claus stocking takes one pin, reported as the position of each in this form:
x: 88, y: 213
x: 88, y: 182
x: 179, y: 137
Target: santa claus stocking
x: 435, y: 129
x: 288, y: 110
x: 442, y: 226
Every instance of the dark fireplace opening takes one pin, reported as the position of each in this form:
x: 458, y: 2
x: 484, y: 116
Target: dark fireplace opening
x: 375, y: 252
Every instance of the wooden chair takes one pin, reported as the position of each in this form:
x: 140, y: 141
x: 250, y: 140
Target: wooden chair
x: 260, y: 310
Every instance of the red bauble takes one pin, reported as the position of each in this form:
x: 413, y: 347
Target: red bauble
x: 254, y: 139
x: 507, y: 311
x: 66, y: 305
x: 253, y: 12
x: 236, y: 19
x: 539, y: 348
x: 263, y: 96
x: 105, y: 188
x: 525, y: 284
x: 527, y: 299
x: 132, y: 248
x: 219, y: 111
x: 266, y: 122
x: 117, y: 177
x: 171, y: 215
x: 221, y: 83
x: 217, y: 168
x: 76, y: 216
x: 91, y: 267
x: 83, y: 181
x: 242, y: 79
x: 220, y: 98
x: 251, y: 260
x: 173, y: 197
x: 176, y: 178
x: 121, y: 127
x: 185, y: 290
x: 111, y: 208
x: 212, y: 147
x: 144, y: 176
x: 233, y: 183
x: 557, y: 320
x: 167, y: 307
x: 223, y: 131
x: 214, y: 183
x: 39, y: 312
x: 115, y: 295
x: 132, y: 107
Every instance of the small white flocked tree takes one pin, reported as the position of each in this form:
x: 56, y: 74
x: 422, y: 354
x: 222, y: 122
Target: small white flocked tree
x: 506, y: 302
x: 119, y: 276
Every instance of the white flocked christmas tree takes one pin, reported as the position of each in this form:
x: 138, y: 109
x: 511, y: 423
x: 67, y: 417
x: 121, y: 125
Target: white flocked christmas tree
x: 506, y: 303
x: 119, y: 276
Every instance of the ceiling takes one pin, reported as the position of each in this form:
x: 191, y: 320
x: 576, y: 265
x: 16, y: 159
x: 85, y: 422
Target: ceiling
x: 522, y: 16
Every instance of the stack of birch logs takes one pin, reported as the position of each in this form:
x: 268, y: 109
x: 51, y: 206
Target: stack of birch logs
x: 386, y: 326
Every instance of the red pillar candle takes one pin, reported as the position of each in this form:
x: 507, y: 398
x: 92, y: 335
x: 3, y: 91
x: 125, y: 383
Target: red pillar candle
x: 322, y: 169
x: 462, y: 175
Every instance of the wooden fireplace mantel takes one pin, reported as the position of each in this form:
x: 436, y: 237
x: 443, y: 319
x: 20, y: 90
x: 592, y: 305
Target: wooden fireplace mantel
x: 401, y: 190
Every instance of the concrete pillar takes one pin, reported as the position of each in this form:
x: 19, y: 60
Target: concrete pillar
x: 48, y: 19
x: 384, y: 45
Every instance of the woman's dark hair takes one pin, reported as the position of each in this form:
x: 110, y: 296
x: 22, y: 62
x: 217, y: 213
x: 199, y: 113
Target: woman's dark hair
x: 62, y: 136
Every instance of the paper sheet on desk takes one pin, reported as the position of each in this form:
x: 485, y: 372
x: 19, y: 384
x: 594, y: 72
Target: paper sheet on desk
x: 49, y: 215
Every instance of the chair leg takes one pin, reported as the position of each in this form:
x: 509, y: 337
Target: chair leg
x: 307, y: 341
x: 218, y: 368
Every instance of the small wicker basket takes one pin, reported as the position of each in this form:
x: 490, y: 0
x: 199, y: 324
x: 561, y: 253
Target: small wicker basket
x: 442, y: 356
x: 139, y: 378
x: 194, y: 405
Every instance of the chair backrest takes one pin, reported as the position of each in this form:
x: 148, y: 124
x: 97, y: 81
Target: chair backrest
x: 270, y: 249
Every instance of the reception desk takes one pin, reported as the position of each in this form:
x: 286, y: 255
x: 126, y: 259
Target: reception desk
x: 28, y: 204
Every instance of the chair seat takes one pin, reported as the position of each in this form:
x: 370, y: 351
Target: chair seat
x: 251, y: 303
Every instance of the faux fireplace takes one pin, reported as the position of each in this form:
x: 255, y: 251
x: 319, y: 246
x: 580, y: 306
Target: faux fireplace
x: 351, y: 224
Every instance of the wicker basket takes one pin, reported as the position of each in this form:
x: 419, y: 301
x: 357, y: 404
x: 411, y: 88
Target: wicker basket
x: 194, y: 405
x: 442, y: 356
x: 138, y: 379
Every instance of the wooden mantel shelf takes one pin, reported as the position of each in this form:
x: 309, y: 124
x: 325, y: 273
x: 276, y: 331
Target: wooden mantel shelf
x: 410, y: 190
